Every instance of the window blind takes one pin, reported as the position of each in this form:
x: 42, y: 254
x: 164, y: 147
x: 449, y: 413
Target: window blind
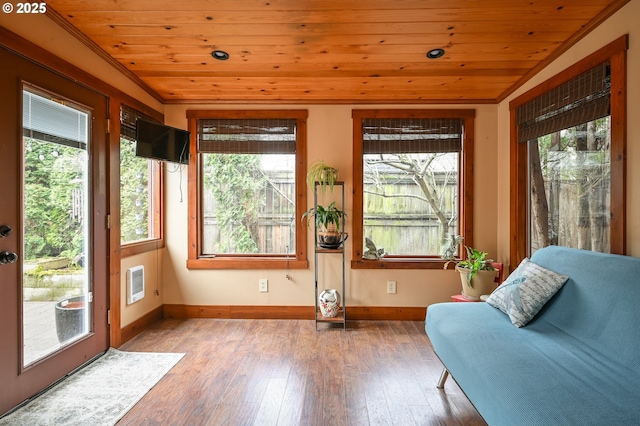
x: 411, y: 135
x: 50, y: 121
x: 247, y: 136
x: 580, y: 100
x: 128, y: 117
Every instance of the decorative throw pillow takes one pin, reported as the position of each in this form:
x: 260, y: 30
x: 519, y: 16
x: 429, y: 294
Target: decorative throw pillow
x: 526, y: 291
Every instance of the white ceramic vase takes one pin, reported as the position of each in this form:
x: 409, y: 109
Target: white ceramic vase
x: 329, y: 302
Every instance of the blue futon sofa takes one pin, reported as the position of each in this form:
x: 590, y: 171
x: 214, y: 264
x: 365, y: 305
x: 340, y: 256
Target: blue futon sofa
x: 576, y: 363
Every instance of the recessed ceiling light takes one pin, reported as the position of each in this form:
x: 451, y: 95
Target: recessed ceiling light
x: 435, y: 53
x: 220, y: 55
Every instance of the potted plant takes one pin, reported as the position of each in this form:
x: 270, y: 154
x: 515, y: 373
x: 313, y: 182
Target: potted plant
x: 70, y: 317
x: 321, y: 172
x: 477, y: 275
x: 328, y: 220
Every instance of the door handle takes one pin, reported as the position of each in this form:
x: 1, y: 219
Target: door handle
x: 5, y: 230
x: 7, y: 257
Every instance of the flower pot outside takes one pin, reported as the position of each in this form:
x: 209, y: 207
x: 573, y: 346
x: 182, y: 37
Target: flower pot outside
x: 70, y: 314
x: 483, y: 282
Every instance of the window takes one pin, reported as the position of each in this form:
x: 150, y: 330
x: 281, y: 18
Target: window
x: 140, y: 185
x: 411, y: 168
x: 568, y: 158
x: 247, y: 189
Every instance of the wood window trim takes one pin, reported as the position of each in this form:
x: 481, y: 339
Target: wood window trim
x: 465, y: 208
x: 195, y: 259
x: 151, y: 244
x: 616, y: 54
x: 139, y: 247
x: 142, y: 246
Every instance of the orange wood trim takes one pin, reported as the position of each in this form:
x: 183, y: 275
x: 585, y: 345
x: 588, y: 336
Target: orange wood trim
x: 301, y: 191
x: 518, y: 206
x: 433, y: 101
x: 397, y: 263
x: 249, y: 113
x: 386, y: 313
x: 247, y: 263
x: 115, y: 338
x: 357, y: 171
x: 138, y: 326
x: 467, y: 172
x: 413, y: 113
x: 192, y: 192
x: 291, y: 312
x: 618, y: 105
x: 239, y: 312
x: 132, y: 249
x: 158, y: 200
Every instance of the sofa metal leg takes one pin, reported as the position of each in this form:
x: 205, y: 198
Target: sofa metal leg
x: 443, y: 378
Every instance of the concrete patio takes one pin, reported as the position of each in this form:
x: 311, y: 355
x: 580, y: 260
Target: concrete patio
x: 40, y: 336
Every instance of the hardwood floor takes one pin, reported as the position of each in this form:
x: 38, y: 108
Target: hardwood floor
x: 283, y: 372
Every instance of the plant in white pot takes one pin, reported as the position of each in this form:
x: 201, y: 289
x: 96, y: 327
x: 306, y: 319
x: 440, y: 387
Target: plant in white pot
x: 477, y: 275
x: 328, y: 221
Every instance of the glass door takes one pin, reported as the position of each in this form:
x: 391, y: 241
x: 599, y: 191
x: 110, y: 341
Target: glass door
x: 56, y: 288
x: 53, y: 227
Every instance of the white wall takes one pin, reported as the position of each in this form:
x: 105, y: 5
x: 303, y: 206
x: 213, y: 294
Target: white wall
x: 625, y: 21
x: 329, y: 131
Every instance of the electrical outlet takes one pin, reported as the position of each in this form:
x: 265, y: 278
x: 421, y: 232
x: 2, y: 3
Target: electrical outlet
x: 263, y: 285
x: 391, y: 287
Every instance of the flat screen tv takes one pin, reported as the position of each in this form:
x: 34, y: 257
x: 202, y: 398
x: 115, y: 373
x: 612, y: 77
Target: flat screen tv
x: 160, y: 142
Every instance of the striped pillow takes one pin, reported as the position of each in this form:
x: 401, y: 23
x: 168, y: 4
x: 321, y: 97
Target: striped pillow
x: 526, y: 291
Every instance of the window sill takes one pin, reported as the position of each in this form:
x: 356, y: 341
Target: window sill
x: 131, y: 249
x: 398, y: 263
x: 246, y: 263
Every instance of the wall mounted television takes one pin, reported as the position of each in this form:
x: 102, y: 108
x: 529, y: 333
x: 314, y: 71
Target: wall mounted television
x: 160, y: 142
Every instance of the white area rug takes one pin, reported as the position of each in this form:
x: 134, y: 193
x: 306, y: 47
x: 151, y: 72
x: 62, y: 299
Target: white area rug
x: 98, y: 394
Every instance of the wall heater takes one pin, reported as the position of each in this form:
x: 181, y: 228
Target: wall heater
x: 135, y: 284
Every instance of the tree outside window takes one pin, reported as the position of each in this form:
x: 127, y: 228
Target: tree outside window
x: 250, y: 174
x: 411, y: 201
x: 139, y: 185
x: 568, y: 162
x: 412, y: 166
x: 249, y: 204
x: 134, y: 194
x: 570, y: 183
x: 54, y: 179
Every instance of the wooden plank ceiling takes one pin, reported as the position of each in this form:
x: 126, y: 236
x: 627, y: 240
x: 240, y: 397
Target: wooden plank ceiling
x: 331, y: 51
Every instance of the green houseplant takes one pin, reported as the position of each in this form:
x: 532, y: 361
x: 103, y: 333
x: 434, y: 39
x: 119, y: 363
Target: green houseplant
x: 328, y: 221
x: 477, y: 275
x: 324, y: 174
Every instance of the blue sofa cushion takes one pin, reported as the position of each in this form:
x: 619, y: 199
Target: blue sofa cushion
x: 526, y: 291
